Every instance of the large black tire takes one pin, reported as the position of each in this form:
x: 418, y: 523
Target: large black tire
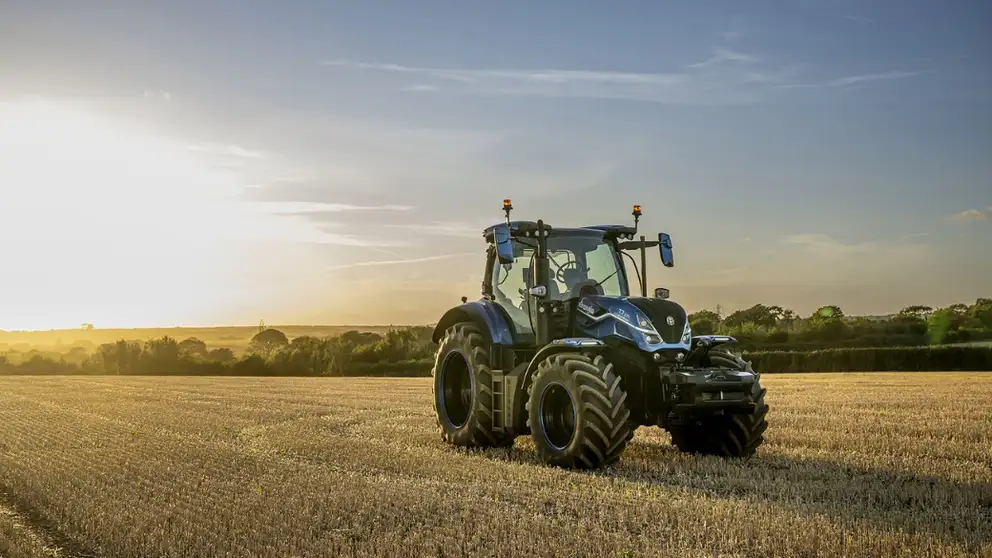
x: 728, y: 435
x: 576, y: 411
x: 462, y: 389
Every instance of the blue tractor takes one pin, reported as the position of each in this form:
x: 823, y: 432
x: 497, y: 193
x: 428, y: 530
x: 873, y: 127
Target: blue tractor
x: 559, y: 348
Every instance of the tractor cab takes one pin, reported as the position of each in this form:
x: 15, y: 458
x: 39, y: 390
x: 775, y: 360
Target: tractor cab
x: 581, y: 262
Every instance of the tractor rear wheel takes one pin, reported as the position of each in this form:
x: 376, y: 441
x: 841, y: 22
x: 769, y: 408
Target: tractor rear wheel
x: 576, y: 411
x: 731, y: 434
x: 462, y: 389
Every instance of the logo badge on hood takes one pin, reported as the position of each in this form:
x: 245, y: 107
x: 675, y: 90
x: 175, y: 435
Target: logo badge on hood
x: 670, y: 321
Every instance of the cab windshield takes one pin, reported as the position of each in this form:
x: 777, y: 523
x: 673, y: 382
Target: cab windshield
x: 579, y: 263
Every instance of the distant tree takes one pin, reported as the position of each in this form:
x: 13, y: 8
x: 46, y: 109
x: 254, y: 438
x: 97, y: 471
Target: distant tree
x: 704, y: 315
x: 907, y: 323
x: 828, y: 312
x: 306, y: 355
x: 87, y: 327
x: 759, y: 315
x: 161, y: 356
x: 343, y: 354
x: 827, y: 323
x: 222, y: 355
x: 917, y: 310
x: 360, y: 337
x: 939, y: 325
x: 981, y: 311
x: 704, y: 322
x: 787, y: 318
x: 703, y: 326
x: 122, y: 357
x: 945, y: 323
x: 266, y: 342
x: 193, y: 347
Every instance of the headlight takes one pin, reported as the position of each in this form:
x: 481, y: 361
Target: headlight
x: 643, y: 326
x: 686, y: 334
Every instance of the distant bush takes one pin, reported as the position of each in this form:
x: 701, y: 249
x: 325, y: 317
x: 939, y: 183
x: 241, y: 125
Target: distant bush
x: 877, y: 359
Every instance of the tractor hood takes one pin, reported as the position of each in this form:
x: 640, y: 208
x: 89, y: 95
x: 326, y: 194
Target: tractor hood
x: 652, y: 324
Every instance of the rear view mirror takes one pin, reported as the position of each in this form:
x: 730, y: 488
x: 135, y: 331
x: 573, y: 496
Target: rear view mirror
x: 504, y: 247
x: 665, y: 246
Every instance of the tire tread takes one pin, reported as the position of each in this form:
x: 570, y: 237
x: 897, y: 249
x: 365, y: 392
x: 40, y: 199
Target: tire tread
x: 606, y: 429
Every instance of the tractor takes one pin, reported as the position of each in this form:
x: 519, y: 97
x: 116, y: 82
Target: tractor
x: 557, y: 347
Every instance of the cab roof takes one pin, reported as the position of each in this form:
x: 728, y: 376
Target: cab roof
x: 606, y: 230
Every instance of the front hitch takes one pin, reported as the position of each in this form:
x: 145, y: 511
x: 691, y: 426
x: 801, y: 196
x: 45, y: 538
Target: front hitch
x: 710, y: 389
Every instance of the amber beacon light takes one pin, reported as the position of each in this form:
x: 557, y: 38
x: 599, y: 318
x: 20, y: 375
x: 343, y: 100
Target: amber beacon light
x: 507, y: 206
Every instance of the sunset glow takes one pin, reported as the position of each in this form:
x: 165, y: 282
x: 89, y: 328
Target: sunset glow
x: 190, y: 164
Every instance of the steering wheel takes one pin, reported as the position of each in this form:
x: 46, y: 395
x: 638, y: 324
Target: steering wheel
x: 560, y: 274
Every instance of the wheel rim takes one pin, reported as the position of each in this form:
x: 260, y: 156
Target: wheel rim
x: 456, y: 389
x: 557, y: 413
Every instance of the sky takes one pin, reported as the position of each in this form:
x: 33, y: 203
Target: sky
x: 303, y: 162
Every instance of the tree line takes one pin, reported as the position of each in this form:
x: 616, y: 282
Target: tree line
x: 773, y: 336
x: 776, y: 328
x: 401, y: 351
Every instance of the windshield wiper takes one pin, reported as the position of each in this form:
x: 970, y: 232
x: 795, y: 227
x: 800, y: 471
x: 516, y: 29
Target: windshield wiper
x: 607, y: 277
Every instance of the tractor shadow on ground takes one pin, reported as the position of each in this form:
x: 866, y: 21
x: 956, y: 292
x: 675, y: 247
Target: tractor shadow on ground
x: 898, y: 500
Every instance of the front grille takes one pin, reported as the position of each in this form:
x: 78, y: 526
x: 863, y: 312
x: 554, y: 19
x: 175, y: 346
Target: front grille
x: 723, y: 395
x: 658, y: 310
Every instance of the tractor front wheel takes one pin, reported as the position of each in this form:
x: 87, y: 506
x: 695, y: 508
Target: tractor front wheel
x: 727, y: 435
x: 462, y: 389
x: 576, y: 411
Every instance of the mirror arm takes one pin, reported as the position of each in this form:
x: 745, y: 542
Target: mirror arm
x: 644, y: 267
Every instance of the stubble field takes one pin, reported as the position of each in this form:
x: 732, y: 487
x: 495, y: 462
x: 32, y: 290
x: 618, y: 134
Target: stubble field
x: 853, y: 465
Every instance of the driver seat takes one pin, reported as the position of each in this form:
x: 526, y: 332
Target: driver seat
x: 579, y: 285
x: 587, y: 287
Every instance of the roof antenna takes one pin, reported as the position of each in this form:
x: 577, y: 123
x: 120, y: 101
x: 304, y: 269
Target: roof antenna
x: 507, y: 207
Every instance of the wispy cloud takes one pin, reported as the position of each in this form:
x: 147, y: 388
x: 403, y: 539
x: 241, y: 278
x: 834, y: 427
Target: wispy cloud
x: 851, y: 80
x: 420, y: 88
x: 856, y: 79
x: 301, y: 208
x: 518, y: 75
x: 225, y: 149
x: 157, y: 94
x: 721, y: 55
x: 727, y: 77
x: 402, y: 261
x: 969, y: 215
x: 708, y: 82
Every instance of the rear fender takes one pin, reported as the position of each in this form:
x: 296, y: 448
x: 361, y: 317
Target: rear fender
x: 482, y: 313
